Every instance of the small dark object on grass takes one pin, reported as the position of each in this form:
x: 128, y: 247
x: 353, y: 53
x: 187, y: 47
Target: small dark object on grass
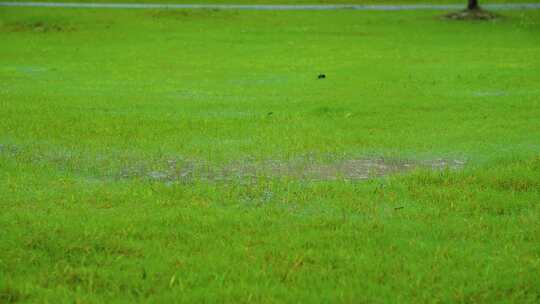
x: 398, y: 208
x: 322, y: 76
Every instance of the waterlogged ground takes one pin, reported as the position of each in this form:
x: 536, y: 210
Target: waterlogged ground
x: 192, y: 156
x: 177, y: 170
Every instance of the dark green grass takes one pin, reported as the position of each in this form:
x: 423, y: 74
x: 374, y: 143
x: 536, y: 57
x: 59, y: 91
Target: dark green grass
x: 88, y: 94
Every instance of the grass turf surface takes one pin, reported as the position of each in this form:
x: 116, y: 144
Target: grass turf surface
x: 298, y: 2
x: 95, y: 103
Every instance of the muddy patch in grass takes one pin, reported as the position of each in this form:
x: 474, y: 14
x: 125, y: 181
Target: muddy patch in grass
x: 9, y: 150
x: 299, y: 169
x: 173, y: 170
x: 193, y: 15
x: 472, y: 15
x: 37, y: 26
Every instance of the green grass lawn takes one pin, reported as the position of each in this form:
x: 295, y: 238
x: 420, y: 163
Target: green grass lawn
x: 284, y: 1
x: 195, y: 156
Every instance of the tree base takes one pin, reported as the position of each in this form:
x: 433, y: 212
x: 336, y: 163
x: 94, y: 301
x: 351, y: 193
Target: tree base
x: 472, y: 14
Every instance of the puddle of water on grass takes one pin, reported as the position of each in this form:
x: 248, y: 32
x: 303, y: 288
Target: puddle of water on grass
x: 490, y: 93
x: 8, y: 150
x: 179, y: 171
x: 349, y: 170
x: 522, y: 92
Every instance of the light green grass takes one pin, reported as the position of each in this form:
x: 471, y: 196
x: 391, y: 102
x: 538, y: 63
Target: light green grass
x: 88, y: 95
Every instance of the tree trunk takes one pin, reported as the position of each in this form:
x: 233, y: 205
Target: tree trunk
x: 473, y: 5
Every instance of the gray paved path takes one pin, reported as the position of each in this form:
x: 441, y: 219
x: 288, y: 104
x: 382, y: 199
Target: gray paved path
x: 272, y: 7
